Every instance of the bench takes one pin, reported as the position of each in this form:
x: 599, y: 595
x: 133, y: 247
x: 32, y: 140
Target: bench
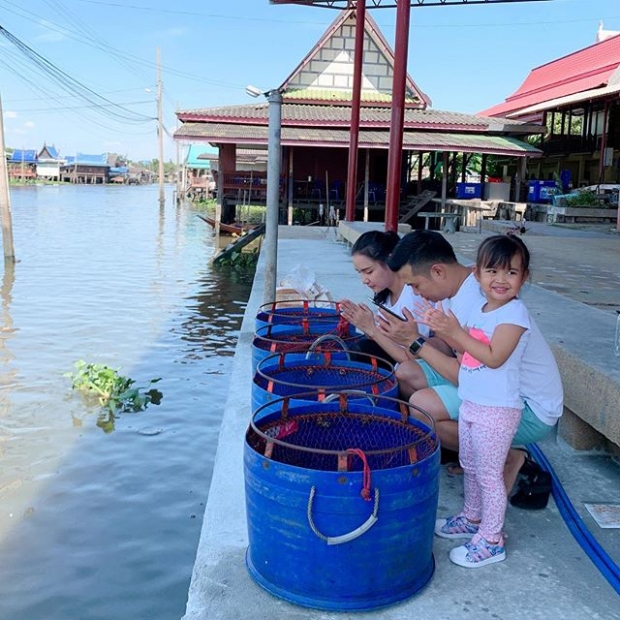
x: 449, y: 224
x: 558, y: 214
x: 414, y: 204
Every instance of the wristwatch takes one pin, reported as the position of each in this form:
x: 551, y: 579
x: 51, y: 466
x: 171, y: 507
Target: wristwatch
x: 416, y: 345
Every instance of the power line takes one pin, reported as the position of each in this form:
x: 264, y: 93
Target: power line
x: 118, y: 53
x: 71, y: 85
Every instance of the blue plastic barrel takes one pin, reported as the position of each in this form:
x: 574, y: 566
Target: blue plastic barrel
x: 336, y: 519
x: 294, y: 312
x: 299, y: 339
x: 319, y: 374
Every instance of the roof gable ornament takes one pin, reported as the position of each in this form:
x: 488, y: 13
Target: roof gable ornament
x: 326, y: 73
x: 602, y: 34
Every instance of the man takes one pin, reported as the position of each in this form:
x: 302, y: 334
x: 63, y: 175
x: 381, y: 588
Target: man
x: 427, y: 262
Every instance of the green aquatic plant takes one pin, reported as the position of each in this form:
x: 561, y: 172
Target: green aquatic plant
x: 113, y: 391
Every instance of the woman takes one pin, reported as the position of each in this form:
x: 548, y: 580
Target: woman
x: 370, y: 253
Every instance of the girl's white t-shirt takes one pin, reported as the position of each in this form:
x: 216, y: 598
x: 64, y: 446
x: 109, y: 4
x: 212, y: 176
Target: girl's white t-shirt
x: 496, y: 387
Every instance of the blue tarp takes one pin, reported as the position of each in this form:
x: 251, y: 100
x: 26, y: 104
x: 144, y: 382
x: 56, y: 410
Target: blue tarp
x: 88, y: 160
x: 118, y: 170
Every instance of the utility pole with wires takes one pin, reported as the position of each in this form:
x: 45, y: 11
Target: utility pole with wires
x: 160, y: 133
x: 5, y: 203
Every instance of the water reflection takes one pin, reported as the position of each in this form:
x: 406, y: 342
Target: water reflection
x: 212, y: 327
x: 7, y: 372
x: 7, y: 369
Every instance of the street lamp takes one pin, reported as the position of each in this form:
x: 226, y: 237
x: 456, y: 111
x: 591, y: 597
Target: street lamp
x: 274, y: 97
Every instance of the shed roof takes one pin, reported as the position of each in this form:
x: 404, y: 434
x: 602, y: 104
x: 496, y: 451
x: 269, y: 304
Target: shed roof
x: 585, y: 70
x: 257, y: 135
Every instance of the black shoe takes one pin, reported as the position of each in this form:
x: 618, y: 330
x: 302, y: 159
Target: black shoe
x: 534, y: 491
x: 449, y: 456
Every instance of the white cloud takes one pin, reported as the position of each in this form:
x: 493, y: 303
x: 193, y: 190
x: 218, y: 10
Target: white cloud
x: 29, y: 125
x: 10, y: 114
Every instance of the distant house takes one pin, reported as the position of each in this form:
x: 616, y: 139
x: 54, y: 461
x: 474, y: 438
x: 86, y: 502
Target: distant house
x: 86, y: 169
x: 118, y: 171
x: 49, y: 163
x: 139, y: 175
x: 199, y: 179
x: 22, y: 165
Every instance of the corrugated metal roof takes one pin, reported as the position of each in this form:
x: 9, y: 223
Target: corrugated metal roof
x: 254, y: 135
x: 301, y: 115
x: 85, y: 159
x: 587, y: 95
x: 580, y: 71
x: 28, y: 156
x: 195, y: 156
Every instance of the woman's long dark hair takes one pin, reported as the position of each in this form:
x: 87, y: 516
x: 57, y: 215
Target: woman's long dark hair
x: 376, y: 245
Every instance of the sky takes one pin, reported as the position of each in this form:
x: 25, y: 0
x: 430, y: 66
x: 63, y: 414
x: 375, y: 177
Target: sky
x: 82, y: 74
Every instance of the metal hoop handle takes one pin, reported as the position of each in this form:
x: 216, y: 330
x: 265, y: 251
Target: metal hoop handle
x: 336, y: 395
x: 352, y: 535
x: 325, y: 337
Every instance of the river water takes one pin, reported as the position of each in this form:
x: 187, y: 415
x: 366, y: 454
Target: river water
x: 99, y: 525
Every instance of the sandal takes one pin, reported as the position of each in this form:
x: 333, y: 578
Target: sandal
x: 454, y: 469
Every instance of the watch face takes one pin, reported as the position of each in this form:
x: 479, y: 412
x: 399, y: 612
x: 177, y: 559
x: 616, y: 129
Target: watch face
x: 416, y: 345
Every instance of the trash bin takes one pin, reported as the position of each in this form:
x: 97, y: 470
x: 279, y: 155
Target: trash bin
x: 468, y: 190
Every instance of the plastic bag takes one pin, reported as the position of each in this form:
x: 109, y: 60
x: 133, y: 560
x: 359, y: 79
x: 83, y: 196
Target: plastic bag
x: 302, y: 281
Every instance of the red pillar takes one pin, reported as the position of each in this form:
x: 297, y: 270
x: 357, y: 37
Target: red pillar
x: 403, y: 9
x: 358, y: 62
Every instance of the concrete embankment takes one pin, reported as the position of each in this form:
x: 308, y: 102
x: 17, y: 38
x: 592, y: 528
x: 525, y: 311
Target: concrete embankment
x: 546, y: 573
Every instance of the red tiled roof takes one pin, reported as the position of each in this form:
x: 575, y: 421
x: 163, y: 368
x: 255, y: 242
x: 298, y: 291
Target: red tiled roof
x: 304, y: 115
x: 582, y: 70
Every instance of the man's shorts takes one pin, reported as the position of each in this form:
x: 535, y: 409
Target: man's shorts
x: 531, y: 428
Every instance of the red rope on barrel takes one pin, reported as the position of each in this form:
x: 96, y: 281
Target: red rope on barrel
x: 343, y: 327
x: 365, y: 492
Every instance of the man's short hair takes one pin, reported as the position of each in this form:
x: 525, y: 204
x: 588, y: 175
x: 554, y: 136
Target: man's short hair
x: 421, y: 249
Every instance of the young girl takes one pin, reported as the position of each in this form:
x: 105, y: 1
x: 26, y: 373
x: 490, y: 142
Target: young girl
x: 491, y: 345
x: 370, y: 253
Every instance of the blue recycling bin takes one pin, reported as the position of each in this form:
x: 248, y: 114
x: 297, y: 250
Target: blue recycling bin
x: 541, y: 191
x: 468, y: 190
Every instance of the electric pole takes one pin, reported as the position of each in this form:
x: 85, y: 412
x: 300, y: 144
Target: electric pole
x: 160, y: 133
x: 5, y: 203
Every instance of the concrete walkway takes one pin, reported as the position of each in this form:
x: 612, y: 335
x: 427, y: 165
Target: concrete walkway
x: 546, y: 573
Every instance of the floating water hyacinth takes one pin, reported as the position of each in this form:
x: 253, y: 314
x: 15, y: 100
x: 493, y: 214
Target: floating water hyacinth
x: 113, y: 391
